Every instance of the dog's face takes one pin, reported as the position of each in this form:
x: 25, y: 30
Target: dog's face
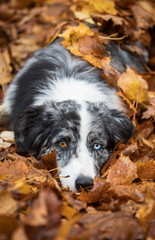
x: 83, y: 134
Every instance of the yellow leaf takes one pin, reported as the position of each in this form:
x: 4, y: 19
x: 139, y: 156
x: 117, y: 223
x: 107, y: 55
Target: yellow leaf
x: 68, y: 211
x: 84, y: 13
x: 71, y: 34
x: 22, y: 187
x: 133, y: 85
x: 5, y: 68
x: 93, y: 60
x: 107, y: 6
x: 67, y: 226
x: 7, y: 204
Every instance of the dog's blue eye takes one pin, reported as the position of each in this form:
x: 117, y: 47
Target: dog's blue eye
x: 97, y: 146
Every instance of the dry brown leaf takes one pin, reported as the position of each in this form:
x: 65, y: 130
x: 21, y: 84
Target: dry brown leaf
x: 7, y: 136
x: 124, y: 171
x: 66, y: 227
x: 110, y: 75
x: 71, y: 35
x: 147, y: 212
x: 4, y: 144
x: 133, y: 85
x: 23, y: 48
x: 19, y: 234
x: 50, y: 162
x: 131, y: 192
x: 97, y: 193
x: 131, y: 149
x: 8, y: 224
x: 5, y: 68
x: 146, y: 170
x: 8, y: 205
x: 89, y: 45
x: 116, y: 20
x: 143, y: 18
x: 46, y: 209
x: 13, y: 171
x: 111, y: 225
x: 149, y: 113
x: 108, y: 210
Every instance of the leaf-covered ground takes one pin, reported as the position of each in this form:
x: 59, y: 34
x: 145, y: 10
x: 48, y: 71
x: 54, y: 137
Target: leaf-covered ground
x: 121, y: 205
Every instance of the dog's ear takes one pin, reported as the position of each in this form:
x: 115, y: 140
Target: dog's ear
x: 32, y: 131
x: 119, y: 127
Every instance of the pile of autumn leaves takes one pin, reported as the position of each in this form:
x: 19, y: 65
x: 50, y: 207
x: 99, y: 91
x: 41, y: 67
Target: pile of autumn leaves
x: 121, y: 204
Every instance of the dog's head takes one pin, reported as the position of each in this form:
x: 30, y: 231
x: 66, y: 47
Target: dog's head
x: 83, y: 135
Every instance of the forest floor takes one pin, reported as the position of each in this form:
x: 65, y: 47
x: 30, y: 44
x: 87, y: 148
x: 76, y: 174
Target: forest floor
x: 121, y: 204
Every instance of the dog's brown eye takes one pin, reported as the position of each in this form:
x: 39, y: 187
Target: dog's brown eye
x: 62, y: 144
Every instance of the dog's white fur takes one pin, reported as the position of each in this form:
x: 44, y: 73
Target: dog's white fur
x: 76, y: 88
x: 83, y: 164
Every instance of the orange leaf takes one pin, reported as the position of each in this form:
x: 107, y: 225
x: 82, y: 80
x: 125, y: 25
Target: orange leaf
x: 124, y: 171
x: 146, y: 170
x: 133, y: 85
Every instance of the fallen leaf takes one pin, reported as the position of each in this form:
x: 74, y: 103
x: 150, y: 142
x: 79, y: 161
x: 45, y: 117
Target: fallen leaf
x: 84, y: 13
x: 89, y: 45
x: 143, y: 18
x: 46, y: 208
x: 40, y: 209
x: 111, y: 225
x: 145, y: 142
x: 44, y: 218
x: 131, y: 192
x: 133, y: 85
x: 22, y: 187
x: 149, y: 113
x: 146, y: 170
x: 4, y: 145
x: 147, y: 212
x: 5, y: 69
x: 7, y: 136
x: 66, y: 227
x: 8, y: 205
x: 19, y: 234
x: 131, y: 149
x: 71, y: 35
x: 13, y: 171
x: 103, y: 6
x: 97, y: 193
x: 68, y: 211
x: 148, y: 6
x: 115, y: 19
x: 124, y: 171
x: 8, y: 224
x: 110, y: 74
x: 50, y: 162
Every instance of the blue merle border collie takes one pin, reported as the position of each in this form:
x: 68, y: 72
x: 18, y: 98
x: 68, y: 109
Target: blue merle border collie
x: 59, y: 101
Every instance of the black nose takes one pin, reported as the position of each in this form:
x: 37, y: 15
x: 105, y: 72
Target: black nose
x: 83, y: 181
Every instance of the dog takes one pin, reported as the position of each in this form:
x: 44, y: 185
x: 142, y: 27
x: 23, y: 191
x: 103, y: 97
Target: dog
x: 60, y: 101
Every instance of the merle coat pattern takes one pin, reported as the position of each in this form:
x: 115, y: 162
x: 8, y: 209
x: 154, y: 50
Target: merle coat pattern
x: 60, y: 101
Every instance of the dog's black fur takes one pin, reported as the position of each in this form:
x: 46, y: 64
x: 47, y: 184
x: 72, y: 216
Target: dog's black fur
x: 59, y: 101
